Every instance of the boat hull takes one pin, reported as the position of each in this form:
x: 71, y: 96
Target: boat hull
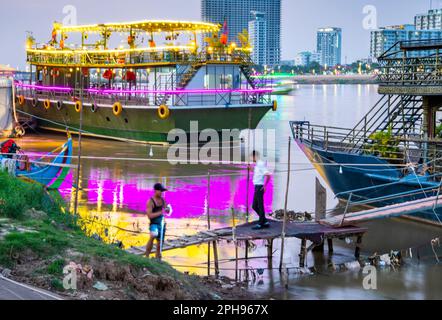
x: 50, y: 175
x: 344, y: 172
x: 143, y: 123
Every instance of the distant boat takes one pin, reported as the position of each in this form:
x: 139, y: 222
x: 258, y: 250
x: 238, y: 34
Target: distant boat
x: 283, y: 88
x: 280, y: 84
x: 50, y: 174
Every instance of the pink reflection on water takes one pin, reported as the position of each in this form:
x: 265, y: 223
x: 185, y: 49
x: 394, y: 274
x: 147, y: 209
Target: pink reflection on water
x: 187, y: 196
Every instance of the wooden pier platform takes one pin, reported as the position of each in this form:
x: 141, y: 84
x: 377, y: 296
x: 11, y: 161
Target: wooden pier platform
x: 314, y: 232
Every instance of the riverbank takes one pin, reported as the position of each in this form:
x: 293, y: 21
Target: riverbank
x: 38, y: 239
x: 336, y: 79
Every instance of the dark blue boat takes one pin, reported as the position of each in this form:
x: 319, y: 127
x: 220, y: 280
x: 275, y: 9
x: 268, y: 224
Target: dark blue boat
x: 368, y: 180
x: 394, y: 154
x: 49, y: 170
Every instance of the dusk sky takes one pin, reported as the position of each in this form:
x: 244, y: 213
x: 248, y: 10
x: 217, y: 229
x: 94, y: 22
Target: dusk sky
x: 300, y: 20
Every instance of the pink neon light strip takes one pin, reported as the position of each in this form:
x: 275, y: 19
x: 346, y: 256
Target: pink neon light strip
x: 168, y: 92
x: 43, y: 88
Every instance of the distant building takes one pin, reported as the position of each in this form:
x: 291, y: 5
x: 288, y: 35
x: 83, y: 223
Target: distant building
x: 386, y: 37
x: 238, y: 14
x: 305, y: 58
x: 329, y: 46
x: 258, y: 38
x: 289, y: 63
x: 315, y: 57
x: 432, y: 20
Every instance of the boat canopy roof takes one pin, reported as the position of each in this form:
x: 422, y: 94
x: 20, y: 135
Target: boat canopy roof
x: 150, y: 26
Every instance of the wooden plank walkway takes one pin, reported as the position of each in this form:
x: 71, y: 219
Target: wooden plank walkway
x: 311, y: 231
x: 392, y: 211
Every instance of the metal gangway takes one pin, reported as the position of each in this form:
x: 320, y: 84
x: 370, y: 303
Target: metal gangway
x: 424, y: 200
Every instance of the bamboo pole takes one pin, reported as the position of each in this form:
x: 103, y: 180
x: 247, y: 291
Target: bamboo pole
x: 77, y: 187
x: 208, y: 221
x: 246, y: 254
x: 248, y: 191
x: 235, y: 242
x: 284, y: 224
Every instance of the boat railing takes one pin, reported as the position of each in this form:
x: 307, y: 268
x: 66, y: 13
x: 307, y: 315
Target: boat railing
x: 395, y: 149
x: 145, y: 97
x: 133, y: 58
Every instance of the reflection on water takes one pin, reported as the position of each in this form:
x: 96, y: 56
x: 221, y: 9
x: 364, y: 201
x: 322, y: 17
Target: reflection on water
x: 113, y: 196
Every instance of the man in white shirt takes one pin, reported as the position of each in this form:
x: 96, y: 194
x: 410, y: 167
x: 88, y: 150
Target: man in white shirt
x: 261, y: 179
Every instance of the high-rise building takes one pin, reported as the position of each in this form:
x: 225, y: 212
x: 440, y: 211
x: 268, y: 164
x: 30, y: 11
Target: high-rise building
x: 432, y: 20
x: 329, y: 46
x: 386, y: 37
x: 258, y: 38
x: 426, y: 26
x: 238, y: 14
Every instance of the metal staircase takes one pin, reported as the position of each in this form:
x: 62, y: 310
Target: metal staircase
x: 403, y: 114
x: 184, y: 74
x: 247, y: 71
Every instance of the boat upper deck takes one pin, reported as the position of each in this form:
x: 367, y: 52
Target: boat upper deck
x: 133, y: 58
x: 141, y: 44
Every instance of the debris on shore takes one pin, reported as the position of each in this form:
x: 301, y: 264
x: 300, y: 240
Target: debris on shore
x: 292, y: 216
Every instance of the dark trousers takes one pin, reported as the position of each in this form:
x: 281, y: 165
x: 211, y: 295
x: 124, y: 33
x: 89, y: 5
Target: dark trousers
x: 258, y: 204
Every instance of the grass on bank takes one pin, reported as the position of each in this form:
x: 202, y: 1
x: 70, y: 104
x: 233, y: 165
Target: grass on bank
x: 55, y: 232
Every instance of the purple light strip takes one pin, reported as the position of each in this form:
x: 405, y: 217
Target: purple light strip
x: 176, y: 92
x: 168, y: 92
x: 43, y: 88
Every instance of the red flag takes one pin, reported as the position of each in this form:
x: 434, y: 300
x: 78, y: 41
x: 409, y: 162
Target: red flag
x: 225, y: 34
x: 225, y: 28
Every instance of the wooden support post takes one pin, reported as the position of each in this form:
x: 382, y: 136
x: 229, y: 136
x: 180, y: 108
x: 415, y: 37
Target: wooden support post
x: 330, y: 245
x: 270, y: 253
x: 303, y: 254
x: 215, y: 258
x: 358, y: 247
x: 320, y: 208
x: 246, y: 253
x: 321, y: 201
x: 284, y: 224
x: 209, y: 262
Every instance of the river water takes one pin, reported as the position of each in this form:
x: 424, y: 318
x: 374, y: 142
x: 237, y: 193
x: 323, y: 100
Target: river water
x: 114, y: 194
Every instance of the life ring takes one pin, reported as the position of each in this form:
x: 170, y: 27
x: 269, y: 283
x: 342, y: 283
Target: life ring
x: 21, y: 100
x: 19, y: 131
x: 47, y: 104
x: 163, y: 112
x: 275, y: 105
x: 78, y: 106
x: 59, y: 105
x: 34, y: 102
x: 94, y: 108
x: 117, y: 109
